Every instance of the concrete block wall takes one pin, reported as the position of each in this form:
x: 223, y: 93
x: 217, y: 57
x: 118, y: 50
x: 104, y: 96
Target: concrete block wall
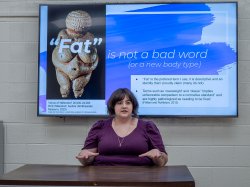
x: 216, y: 150
x: 1, y: 149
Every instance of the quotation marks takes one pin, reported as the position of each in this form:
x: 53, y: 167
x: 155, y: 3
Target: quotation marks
x: 97, y: 41
x: 54, y: 42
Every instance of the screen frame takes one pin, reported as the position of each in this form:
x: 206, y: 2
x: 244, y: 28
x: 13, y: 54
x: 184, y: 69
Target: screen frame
x: 146, y: 116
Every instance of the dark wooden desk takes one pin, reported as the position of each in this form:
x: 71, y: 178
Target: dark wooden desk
x: 64, y: 175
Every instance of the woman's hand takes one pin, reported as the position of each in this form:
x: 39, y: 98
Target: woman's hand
x: 86, y: 156
x: 158, y: 157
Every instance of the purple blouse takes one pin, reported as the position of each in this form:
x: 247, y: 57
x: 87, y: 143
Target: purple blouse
x: 143, y: 138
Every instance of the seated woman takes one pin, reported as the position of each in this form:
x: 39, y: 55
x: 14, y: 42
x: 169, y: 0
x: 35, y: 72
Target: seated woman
x: 123, y: 138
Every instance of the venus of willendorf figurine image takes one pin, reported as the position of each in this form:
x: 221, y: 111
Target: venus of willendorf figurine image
x: 74, y: 70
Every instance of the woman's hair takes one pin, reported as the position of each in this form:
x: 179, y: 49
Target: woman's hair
x: 119, y: 95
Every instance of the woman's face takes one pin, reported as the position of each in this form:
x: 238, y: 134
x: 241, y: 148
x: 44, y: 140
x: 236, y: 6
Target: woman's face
x: 124, y: 108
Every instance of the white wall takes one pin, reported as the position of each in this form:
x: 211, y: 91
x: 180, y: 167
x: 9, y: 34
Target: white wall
x: 216, y: 150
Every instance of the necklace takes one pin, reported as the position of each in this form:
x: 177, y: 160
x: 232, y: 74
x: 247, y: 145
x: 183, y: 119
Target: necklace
x: 121, y: 140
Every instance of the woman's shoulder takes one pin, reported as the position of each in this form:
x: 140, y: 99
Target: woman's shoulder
x: 150, y: 129
x: 101, y: 123
x: 147, y: 125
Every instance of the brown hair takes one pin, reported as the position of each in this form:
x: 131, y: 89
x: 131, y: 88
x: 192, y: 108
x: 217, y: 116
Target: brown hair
x: 119, y: 95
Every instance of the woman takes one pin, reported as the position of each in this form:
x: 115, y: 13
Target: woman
x: 123, y: 139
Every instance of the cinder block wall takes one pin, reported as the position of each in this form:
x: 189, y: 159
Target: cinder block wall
x: 216, y: 150
x: 1, y: 149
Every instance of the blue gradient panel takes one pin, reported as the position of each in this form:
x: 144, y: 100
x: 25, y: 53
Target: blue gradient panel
x: 175, y: 28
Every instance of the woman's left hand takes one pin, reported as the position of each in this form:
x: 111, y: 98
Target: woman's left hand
x: 158, y: 157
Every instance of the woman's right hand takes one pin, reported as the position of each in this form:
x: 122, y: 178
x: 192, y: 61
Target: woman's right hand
x: 86, y: 156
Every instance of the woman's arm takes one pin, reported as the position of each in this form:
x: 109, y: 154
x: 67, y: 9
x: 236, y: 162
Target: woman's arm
x: 86, y: 156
